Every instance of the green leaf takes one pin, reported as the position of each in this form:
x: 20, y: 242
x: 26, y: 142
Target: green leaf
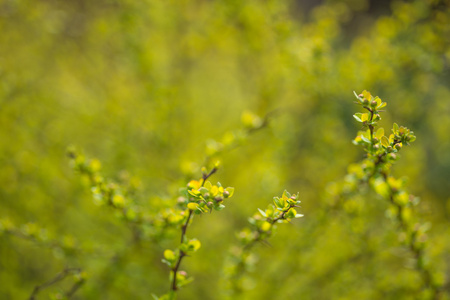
x: 291, y: 213
x: 383, y: 104
x: 169, y: 255
x: 401, y: 198
x: 378, y: 100
x: 263, y: 213
x: 364, y: 117
x: 384, y: 141
x: 286, y: 194
x: 119, y: 201
x: 192, y: 206
x: 194, y: 245
x: 365, y: 139
x: 357, y: 117
x: 367, y: 95
x: 194, y: 193
x: 208, y: 185
x: 203, y: 190
x: 230, y: 190
x: 380, y: 133
x: 266, y: 226
x: 277, y: 202
x: 395, y: 128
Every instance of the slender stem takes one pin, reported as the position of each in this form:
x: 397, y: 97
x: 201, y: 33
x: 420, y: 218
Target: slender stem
x: 60, y: 276
x: 416, y: 250
x: 173, y: 285
x: 206, y: 176
x: 74, y: 288
x: 257, y: 238
x: 371, y: 130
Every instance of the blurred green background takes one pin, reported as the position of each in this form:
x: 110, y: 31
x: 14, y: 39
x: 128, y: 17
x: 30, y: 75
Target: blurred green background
x: 146, y: 86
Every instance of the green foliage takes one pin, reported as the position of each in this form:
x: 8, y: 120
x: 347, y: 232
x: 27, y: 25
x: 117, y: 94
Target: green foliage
x: 200, y: 197
x: 382, y: 152
x: 263, y: 224
x: 159, y: 89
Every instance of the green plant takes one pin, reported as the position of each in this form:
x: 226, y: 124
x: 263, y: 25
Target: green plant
x: 164, y: 220
x: 262, y: 225
x: 198, y: 198
x: 381, y: 153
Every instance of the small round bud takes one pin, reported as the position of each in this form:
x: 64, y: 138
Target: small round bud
x: 209, y: 203
x: 293, y: 198
x: 206, y: 195
x: 365, y: 102
x: 398, y: 146
x: 218, y: 199
x: 226, y: 194
x: 389, y: 149
x: 392, y: 156
x: 376, y: 147
x: 182, y: 273
x: 373, y: 103
x: 360, y: 95
x: 375, y: 140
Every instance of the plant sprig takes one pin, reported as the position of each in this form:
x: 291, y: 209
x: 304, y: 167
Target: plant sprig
x: 382, y: 152
x: 200, y: 197
x: 262, y: 226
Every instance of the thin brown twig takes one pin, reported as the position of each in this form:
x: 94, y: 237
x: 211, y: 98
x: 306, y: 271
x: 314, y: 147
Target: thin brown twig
x: 60, y: 276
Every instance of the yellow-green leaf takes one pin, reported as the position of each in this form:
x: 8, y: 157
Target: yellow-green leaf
x: 192, y: 206
x: 208, y: 185
x: 169, y: 255
x: 230, y: 191
x: 367, y: 95
x: 364, y: 117
x: 391, y: 138
x: 266, y: 226
x: 118, y: 200
x: 291, y: 213
x: 384, y: 141
x: 383, y: 104
x: 194, y: 244
x: 380, y: 133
